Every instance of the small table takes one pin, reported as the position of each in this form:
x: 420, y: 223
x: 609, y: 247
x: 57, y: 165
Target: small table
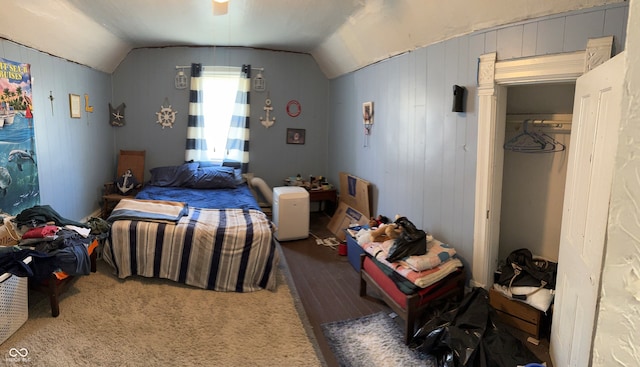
x: 321, y: 196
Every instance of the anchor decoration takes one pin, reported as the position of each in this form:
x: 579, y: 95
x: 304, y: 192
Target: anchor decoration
x: 266, y: 122
x: 127, y: 182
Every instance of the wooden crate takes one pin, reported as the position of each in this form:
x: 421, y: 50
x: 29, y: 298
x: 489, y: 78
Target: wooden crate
x: 517, y: 314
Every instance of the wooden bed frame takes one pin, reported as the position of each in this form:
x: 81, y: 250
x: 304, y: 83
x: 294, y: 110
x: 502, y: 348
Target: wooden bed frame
x: 414, y: 304
x: 58, y: 283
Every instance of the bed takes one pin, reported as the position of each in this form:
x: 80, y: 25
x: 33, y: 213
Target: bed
x: 187, y: 226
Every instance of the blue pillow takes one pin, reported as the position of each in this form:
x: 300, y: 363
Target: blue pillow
x: 215, y: 177
x: 173, y: 176
x: 205, y: 164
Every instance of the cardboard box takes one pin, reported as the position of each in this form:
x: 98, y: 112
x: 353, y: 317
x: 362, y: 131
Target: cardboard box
x: 354, y: 192
x: 343, y: 218
x: 353, y: 206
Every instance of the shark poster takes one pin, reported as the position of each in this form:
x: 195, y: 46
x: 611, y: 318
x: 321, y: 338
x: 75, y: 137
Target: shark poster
x: 19, y: 187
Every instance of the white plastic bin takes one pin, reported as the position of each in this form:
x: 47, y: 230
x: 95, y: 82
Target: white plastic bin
x: 14, y: 303
x: 291, y: 213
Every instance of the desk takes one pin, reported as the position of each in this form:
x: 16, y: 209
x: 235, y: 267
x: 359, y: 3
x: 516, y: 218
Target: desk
x: 322, y: 196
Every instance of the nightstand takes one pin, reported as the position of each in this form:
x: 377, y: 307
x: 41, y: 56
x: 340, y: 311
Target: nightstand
x: 109, y: 201
x: 322, y: 196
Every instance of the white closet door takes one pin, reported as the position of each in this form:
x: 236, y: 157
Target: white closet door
x: 594, y: 141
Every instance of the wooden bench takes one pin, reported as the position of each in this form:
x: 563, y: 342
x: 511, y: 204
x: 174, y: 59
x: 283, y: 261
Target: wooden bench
x: 410, y: 307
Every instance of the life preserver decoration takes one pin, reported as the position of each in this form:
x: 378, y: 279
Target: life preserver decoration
x: 293, y: 108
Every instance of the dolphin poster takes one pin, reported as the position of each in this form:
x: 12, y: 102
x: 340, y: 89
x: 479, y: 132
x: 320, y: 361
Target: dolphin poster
x: 19, y: 188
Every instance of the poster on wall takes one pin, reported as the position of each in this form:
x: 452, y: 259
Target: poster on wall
x: 19, y: 188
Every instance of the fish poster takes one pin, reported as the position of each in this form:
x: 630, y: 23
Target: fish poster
x: 19, y: 187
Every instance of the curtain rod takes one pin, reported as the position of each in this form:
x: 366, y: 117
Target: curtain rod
x: 188, y: 67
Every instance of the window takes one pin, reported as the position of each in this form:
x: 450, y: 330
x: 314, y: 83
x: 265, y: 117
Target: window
x: 219, y: 89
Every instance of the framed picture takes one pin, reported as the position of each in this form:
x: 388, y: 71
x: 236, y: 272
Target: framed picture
x: 74, y: 106
x: 367, y: 113
x: 295, y: 136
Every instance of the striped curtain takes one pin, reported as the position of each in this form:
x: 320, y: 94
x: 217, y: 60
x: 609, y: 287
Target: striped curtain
x: 237, y: 150
x: 237, y: 147
x: 196, y: 149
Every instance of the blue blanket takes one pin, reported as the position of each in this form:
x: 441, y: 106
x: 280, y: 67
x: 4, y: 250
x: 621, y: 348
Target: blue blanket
x: 237, y: 198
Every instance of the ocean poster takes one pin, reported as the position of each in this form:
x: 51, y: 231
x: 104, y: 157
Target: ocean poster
x: 19, y: 187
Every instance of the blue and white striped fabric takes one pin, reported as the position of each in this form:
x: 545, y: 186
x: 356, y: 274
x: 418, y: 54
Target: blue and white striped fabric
x: 223, y: 250
x: 150, y: 210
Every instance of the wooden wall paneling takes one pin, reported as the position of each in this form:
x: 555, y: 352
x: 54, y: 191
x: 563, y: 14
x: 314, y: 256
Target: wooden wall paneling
x: 43, y: 74
x: 549, y: 39
x: 529, y: 37
x: 448, y: 154
x: 580, y: 27
x: 341, y: 97
x: 491, y: 41
x: 475, y: 49
x: 403, y: 116
x: 615, y: 24
x: 434, y: 135
x: 509, y: 42
x: 461, y: 122
x: 389, y: 178
x: 419, y: 72
x: 407, y: 95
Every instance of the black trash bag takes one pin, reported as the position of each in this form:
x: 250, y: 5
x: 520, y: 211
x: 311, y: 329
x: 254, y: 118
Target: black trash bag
x: 454, y: 337
x: 469, y: 334
x: 412, y: 241
x: 521, y: 269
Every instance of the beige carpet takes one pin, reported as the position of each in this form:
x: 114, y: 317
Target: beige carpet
x: 105, y: 321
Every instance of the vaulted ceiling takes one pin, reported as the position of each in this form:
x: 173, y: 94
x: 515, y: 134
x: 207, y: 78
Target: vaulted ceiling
x: 342, y: 35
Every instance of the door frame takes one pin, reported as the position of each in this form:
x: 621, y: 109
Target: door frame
x: 493, y: 79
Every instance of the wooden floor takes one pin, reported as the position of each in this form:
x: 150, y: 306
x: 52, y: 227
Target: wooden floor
x: 328, y: 286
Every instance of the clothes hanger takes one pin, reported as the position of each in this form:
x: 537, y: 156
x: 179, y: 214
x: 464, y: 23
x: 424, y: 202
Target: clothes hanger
x: 533, y: 142
x: 557, y: 146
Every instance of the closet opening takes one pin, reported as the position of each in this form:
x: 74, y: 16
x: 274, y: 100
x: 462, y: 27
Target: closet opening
x: 536, y: 150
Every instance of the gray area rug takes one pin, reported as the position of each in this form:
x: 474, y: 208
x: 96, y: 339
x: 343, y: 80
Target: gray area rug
x: 105, y: 321
x: 373, y: 340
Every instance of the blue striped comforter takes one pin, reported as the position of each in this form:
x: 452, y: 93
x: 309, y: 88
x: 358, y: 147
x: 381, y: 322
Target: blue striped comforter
x: 217, y: 249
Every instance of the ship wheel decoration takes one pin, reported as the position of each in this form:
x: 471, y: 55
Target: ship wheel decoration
x: 167, y: 115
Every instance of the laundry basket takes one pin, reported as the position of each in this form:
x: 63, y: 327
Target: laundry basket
x: 14, y: 303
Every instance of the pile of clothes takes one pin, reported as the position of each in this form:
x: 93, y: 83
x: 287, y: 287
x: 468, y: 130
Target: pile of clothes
x: 53, y: 242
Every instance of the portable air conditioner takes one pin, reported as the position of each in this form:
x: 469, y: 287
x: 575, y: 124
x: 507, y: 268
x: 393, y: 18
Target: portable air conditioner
x: 291, y: 213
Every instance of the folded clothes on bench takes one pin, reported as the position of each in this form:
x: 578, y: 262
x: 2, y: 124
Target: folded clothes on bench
x: 421, y: 279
